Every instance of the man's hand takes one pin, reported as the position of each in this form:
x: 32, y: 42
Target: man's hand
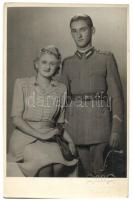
x: 114, y: 140
x: 72, y: 148
x: 70, y: 142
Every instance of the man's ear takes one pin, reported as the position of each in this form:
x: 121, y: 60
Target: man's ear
x: 93, y: 30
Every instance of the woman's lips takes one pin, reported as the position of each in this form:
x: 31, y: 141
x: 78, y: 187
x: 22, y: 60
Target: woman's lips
x: 46, y: 71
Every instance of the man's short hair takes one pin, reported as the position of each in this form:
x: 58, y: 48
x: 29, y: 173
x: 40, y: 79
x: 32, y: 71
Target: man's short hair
x: 82, y: 17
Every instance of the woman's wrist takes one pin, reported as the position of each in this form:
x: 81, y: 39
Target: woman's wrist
x: 49, y: 134
x: 60, y: 127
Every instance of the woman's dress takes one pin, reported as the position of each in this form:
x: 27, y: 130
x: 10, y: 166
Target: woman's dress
x: 41, y: 110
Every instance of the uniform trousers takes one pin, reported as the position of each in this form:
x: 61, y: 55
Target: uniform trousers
x: 91, y: 159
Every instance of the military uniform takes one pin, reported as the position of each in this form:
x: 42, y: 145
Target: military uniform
x: 96, y: 101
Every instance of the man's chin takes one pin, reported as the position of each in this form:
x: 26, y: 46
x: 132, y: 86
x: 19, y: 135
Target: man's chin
x: 82, y: 45
x: 47, y: 75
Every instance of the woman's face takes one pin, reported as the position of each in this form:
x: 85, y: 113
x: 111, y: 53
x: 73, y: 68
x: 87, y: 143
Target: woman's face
x: 47, y: 65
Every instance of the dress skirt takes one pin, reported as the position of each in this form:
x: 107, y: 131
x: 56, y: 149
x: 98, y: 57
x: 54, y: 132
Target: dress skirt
x: 33, y: 155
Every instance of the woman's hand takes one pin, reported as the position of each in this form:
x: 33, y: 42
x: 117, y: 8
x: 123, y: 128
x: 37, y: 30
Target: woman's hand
x: 48, y: 134
x: 114, y: 140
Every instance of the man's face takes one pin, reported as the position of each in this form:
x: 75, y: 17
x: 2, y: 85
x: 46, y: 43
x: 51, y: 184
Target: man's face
x: 81, y: 33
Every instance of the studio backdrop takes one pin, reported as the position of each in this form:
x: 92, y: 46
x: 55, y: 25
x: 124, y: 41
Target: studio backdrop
x: 30, y: 29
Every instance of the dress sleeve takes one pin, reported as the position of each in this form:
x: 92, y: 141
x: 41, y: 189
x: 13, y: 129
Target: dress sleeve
x: 18, y: 99
x: 115, y: 93
x: 61, y: 118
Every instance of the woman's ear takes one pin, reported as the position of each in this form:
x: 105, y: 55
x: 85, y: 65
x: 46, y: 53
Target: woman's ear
x: 35, y: 65
x: 57, y: 71
x: 35, y: 62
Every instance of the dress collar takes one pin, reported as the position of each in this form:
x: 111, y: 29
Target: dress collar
x: 53, y: 83
x: 87, y: 53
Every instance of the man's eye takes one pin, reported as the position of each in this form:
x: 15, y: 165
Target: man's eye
x: 73, y: 31
x: 44, y: 62
x: 83, y: 29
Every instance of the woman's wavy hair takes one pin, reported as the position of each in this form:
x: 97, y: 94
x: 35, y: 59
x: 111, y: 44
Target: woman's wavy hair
x: 51, y: 50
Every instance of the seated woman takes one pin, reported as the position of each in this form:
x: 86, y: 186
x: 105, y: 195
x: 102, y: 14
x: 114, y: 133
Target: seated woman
x: 37, y: 112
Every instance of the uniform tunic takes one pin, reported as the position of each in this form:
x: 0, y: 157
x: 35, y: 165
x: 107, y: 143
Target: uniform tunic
x: 93, y: 73
x: 39, y: 109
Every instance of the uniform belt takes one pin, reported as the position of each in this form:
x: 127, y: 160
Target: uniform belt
x: 90, y: 96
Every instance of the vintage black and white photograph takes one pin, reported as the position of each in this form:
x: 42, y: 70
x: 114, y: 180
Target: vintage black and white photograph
x: 66, y: 91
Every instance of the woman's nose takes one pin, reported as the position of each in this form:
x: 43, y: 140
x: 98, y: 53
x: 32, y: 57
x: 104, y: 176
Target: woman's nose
x: 47, y: 66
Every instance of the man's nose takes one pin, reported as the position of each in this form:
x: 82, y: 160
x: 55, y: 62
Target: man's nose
x: 79, y: 35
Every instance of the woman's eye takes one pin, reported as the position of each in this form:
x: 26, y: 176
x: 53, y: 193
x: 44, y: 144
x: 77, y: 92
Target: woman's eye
x: 53, y: 64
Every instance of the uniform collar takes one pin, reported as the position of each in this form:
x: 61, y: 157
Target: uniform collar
x: 87, y: 53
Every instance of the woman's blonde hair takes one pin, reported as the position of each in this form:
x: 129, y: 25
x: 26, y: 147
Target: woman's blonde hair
x: 51, y: 50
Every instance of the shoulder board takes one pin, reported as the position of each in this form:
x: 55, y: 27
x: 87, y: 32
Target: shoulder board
x: 67, y: 58
x: 103, y: 52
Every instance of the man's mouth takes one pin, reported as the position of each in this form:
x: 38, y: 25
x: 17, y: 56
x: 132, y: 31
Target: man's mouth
x: 80, y: 40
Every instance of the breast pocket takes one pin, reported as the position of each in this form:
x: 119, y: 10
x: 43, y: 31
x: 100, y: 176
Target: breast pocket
x: 75, y: 76
x: 75, y: 82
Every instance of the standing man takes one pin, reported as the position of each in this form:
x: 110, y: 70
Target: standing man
x: 95, y: 113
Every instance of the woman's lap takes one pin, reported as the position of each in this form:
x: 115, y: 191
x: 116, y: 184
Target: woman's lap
x: 40, y: 154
